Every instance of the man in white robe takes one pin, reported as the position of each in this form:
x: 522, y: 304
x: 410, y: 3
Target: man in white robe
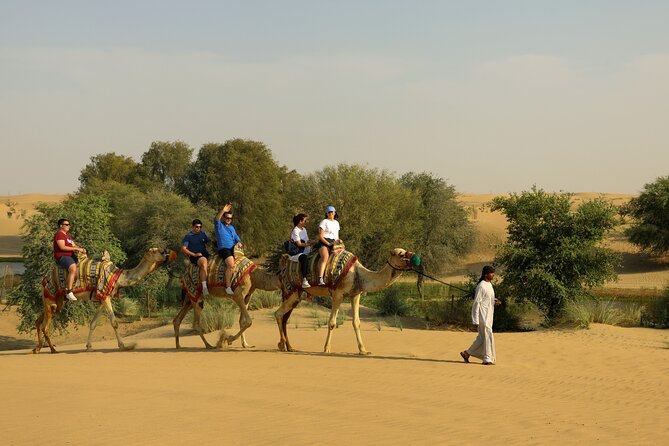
x: 483, y: 311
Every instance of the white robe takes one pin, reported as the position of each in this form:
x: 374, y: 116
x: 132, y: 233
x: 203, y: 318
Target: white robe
x: 483, y: 311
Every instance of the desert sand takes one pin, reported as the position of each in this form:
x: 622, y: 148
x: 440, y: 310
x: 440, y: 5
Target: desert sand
x: 603, y: 385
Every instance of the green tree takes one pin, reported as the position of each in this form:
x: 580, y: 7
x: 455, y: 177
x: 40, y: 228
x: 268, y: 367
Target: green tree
x: 90, y: 216
x: 445, y: 231
x: 245, y: 173
x: 552, y: 253
x: 650, y: 231
x: 376, y: 212
x: 110, y: 166
x: 143, y: 220
x: 168, y: 164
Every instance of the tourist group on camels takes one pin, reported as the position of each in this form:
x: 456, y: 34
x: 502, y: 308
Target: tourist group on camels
x: 316, y: 268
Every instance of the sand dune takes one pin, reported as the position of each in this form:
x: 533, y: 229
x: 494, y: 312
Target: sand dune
x: 604, y: 385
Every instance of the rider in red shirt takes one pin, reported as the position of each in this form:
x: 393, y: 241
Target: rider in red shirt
x: 63, y: 252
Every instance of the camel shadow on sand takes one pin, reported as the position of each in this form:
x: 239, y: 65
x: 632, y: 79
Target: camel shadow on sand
x: 228, y: 351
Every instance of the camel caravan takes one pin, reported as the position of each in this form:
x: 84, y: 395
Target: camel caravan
x: 313, y: 268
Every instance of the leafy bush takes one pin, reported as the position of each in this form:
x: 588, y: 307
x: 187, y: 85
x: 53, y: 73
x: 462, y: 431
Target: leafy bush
x: 553, y: 251
x: 217, y: 315
x: 440, y: 312
x: 650, y: 210
x: 656, y: 313
x: 265, y: 299
x: 125, y: 307
x: 391, y: 303
x: 585, y: 311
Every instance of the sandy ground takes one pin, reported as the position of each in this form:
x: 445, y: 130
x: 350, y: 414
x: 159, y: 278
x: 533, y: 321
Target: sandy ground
x: 605, y: 385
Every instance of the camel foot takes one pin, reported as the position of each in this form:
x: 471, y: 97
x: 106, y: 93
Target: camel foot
x: 248, y: 346
x: 364, y: 352
x: 36, y: 351
x: 282, y: 346
x: 127, y: 347
x: 230, y: 339
x: 290, y: 349
x: 89, y: 348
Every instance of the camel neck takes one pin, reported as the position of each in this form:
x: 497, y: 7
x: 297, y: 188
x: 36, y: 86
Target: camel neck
x: 372, y: 281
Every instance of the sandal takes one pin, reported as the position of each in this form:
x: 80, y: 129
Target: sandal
x: 465, y: 355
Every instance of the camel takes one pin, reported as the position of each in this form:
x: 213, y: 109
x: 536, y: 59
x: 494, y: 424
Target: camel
x: 358, y: 280
x: 96, y: 279
x: 258, y: 278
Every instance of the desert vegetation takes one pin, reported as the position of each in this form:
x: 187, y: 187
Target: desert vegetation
x: 550, y: 266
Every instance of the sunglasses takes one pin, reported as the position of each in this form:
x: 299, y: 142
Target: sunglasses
x: 66, y: 224
x: 228, y: 218
x: 197, y: 226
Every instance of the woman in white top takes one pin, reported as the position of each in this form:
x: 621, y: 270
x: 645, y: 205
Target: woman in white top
x: 328, y: 236
x: 300, y: 238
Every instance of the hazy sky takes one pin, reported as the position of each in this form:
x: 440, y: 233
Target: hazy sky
x: 492, y: 96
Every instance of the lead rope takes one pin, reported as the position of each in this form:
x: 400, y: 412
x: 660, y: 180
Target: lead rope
x: 428, y: 276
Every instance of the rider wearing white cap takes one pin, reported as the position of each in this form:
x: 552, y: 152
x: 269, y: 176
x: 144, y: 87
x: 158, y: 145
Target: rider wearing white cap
x: 328, y: 235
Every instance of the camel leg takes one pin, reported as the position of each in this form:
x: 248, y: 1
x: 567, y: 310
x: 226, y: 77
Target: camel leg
x: 286, y: 307
x: 40, y: 338
x: 180, y: 317
x: 91, y: 327
x: 245, y: 320
x: 114, y: 323
x: 50, y: 311
x: 355, y: 311
x: 247, y: 299
x: 284, y: 321
x: 197, y: 313
x: 332, y: 323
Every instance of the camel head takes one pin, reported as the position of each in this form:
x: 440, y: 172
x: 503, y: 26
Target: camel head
x: 401, y: 259
x: 159, y: 256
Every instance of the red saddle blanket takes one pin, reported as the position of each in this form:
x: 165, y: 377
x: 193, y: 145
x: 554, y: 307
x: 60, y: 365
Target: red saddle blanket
x: 339, y: 264
x: 216, y: 275
x: 94, y: 276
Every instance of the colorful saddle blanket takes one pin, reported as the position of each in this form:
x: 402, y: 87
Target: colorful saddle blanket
x: 94, y: 276
x: 216, y: 275
x: 339, y: 263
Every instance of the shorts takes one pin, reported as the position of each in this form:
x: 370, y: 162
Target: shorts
x: 224, y: 253
x: 329, y: 247
x: 195, y: 259
x: 66, y: 261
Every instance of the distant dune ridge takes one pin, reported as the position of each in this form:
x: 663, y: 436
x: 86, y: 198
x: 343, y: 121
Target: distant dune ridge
x: 639, y: 270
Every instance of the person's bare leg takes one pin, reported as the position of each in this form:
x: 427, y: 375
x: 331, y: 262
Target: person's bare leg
x: 229, y: 263
x: 325, y: 254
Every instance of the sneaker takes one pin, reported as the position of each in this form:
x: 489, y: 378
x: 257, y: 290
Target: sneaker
x: 205, y: 290
x: 305, y: 283
x: 70, y: 296
x: 321, y: 282
x: 229, y: 291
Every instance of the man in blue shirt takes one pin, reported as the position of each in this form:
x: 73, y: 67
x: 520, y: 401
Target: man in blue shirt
x: 194, y: 245
x: 226, y: 240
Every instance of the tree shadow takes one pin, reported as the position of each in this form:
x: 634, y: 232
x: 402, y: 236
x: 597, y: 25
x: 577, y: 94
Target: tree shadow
x: 12, y: 343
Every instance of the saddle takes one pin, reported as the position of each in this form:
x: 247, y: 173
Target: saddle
x: 190, y: 280
x: 95, y: 276
x: 338, y: 265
